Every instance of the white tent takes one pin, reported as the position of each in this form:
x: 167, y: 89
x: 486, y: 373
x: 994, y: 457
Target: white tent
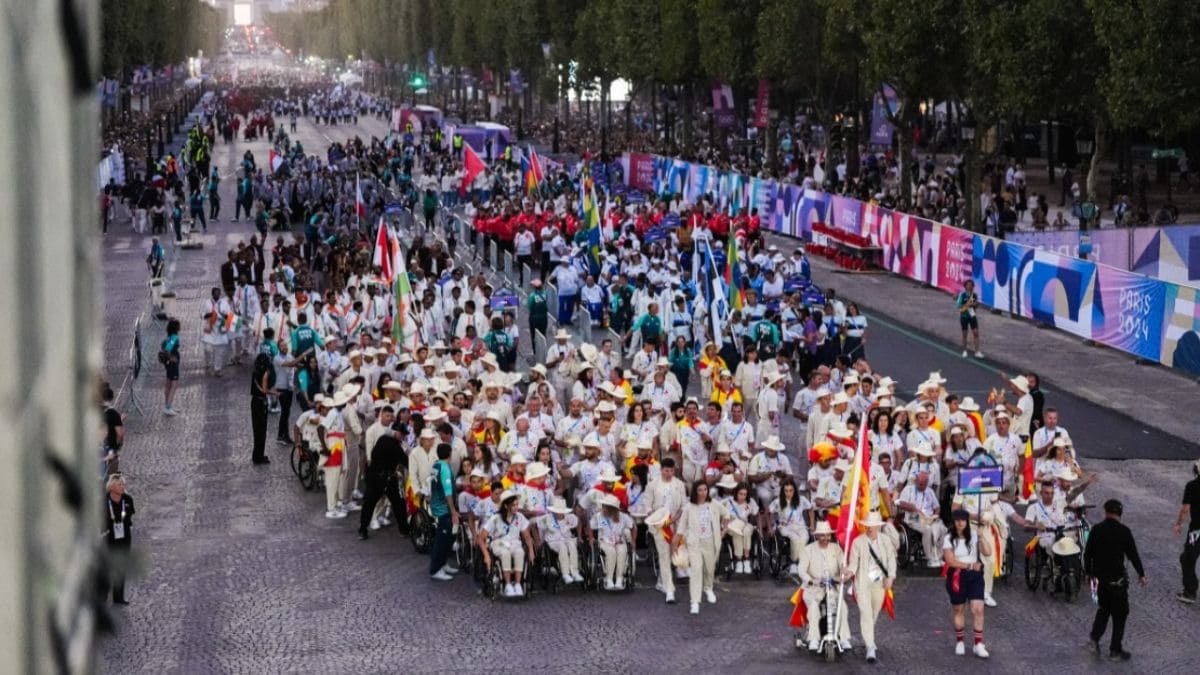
x: 350, y: 79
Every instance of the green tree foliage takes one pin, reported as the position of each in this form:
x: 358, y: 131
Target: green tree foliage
x: 136, y: 33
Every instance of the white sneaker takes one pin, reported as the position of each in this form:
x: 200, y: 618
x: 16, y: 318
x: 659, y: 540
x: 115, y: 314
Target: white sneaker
x: 694, y: 609
x: 170, y: 411
x: 441, y: 575
x: 518, y: 590
x: 357, y: 494
x: 375, y: 524
x: 814, y: 645
x: 608, y: 584
x: 989, y: 601
x: 981, y: 651
x: 448, y: 569
x: 619, y: 585
x: 870, y: 655
x: 844, y: 645
x: 794, y: 569
x: 670, y: 598
x: 508, y: 590
x: 745, y: 567
x: 965, y: 354
x: 710, y: 596
x: 959, y: 649
x: 334, y: 514
x: 353, y: 506
x: 660, y: 588
x: 979, y: 355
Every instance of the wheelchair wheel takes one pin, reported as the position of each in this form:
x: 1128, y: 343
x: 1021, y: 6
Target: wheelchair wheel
x: 308, y: 473
x: 1033, y: 570
x: 1071, y: 576
x: 903, y: 554
x: 1006, y: 567
x: 493, y: 582
x: 296, y: 460
x: 757, y: 563
x: 725, y: 560
x: 466, y: 548
x: 593, y: 566
x: 630, y: 570
x: 830, y: 651
x: 421, y: 529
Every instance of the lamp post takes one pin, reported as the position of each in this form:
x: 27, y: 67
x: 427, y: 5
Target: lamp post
x: 1084, y: 147
x: 162, y: 144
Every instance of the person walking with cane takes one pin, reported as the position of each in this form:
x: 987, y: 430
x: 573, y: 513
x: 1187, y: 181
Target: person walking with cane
x: 1108, y: 546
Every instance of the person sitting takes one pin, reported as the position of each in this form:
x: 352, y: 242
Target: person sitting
x: 789, y: 518
x: 744, y: 510
x: 502, y: 536
x: 920, y: 506
x: 557, y: 529
x: 613, y: 532
x: 819, y: 568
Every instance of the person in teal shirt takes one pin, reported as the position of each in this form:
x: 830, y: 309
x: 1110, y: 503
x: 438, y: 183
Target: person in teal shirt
x: 441, y: 505
x: 304, y: 338
x: 682, y: 361
x: 539, y: 308
x: 649, y: 324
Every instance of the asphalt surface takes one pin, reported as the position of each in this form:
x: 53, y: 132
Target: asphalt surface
x: 240, y: 571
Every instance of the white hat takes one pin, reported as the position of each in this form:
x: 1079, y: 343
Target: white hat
x: 1061, y: 442
x: 435, y: 414
x: 354, y: 354
x: 824, y: 391
x: 428, y: 432
x: 562, y: 334
x: 478, y: 472
x: 535, y: 470
x: 1021, y: 383
x: 518, y: 458
x: 351, y: 389
x: 872, y: 520
x: 922, y: 448
x: 339, y: 399
x: 773, y: 443
x: 842, y: 465
x: 490, y: 359
x: 885, y: 402
x: 605, y: 407
x: 663, y: 362
x: 508, y: 494
x: 738, y: 527
x: 840, y: 398
x: 885, y: 382
x: 658, y: 517
x: 559, y: 505
x: 822, y: 528
x: 394, y: 386
x: 851, y: 378
x: 607, y: 475
x: 727, y: 482
x: 725, y: 373
x: 775, y: 377
x: 429, y: 363
x: 606, y: 386
x: 1067, y: 474
x: 839, y: 430
x: 927, y: 384
x: 968, y: 404
x: 610, y: 500
x: 588, y: 351
x: 539, y: 369
x: 1065, y: 546
x: 957, y: 429
x: 495, y: 416
x: 591, y: 440
x: 936, y: 376
x: 629, y: 449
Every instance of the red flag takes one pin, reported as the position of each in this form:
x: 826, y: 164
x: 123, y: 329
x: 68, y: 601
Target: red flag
x: 856, y: 501
x: 382, y: 256
x: 1027, y: 476
x: 360, y: 207
x: 535, y: 165
x: 799, y: 617
x: 473, y: 166
x: 889, y: 605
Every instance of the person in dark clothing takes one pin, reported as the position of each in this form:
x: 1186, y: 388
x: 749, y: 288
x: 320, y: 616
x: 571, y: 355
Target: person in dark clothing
x: 381, y: 478
x: 1191, y: 541
x: 262, y: 385
x: 1108, y: 547
x: 118, y: 534
x: 1039, y: 401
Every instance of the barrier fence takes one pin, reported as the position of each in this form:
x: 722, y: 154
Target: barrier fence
x: 1150, y: 318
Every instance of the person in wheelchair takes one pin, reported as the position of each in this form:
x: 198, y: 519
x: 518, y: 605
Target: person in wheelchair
x: 502, y: 536
x: 613, y: 533
x: 1046, y: 515
x: 921, y: 511
x: 790, y: 516
x: 744, y: 510
x: 820, y: 569
x: 557, y: 528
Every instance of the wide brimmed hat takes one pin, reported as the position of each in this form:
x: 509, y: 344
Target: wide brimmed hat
x: 823, y: 528
x: 658, y: 517
x: 1020, y: 383
x: 773, y: 443
x: 840, y: 398
x: 1065, y: 546
x: 727, y: 482
x: 559, y: 506
x: 562, y: 334
x: 872, y: 520
x: 968, y: 404
x: 588, y: 352
x: 607, y: 475
x: 535, y: 470
x: 922, y: 448
x: 518, y: 459
x: 610, y: 500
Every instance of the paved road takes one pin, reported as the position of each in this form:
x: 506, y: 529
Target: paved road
x: 241, y: 573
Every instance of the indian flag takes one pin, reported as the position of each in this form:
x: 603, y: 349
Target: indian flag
x: 404, y: 332
x: 233, y: 323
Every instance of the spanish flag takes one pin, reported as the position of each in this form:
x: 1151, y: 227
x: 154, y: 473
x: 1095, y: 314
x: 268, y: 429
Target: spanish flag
x: 1027, y: 479
x: 410, y: 496
x: 997, y: 550
x: 799, y: 617
x: 889, y: 604
x: 668, y: 530
x: 1031, y: 547
x: 977, y: 424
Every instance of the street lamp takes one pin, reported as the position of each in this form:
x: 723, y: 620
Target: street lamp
x: 967, y: 130
x: 1083, y: 142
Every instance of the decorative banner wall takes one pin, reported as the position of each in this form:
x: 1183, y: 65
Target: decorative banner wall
x: 1033, y: 275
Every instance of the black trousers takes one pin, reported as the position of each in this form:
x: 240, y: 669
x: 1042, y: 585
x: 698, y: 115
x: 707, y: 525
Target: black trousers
x: 1113, y: 603
x: 1187, y: 560
x: 214, y: 206
x: 258, y: 421
x: 114, y: 581
x: 379, y: 485
x: 285, y: 412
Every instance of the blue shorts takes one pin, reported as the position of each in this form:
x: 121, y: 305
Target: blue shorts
x: 970, y: 586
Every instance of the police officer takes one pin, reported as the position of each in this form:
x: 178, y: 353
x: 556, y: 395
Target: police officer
x: 1191, y: 542
x: 1109, y: 544
x: 381, y: 478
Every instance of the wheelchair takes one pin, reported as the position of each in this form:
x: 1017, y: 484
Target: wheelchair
x: 1055, y: 573
x: 777, y: 551
x: 725, y: 559
x: 910, y: 554
x: 464, y: 547
x: 492, y: 580
x: 422, y: 528
x: 304, y: 465
x: 591, y: 563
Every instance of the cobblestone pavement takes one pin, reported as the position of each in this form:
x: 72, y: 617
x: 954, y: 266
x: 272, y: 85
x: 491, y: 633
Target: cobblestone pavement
x: 240, y: 571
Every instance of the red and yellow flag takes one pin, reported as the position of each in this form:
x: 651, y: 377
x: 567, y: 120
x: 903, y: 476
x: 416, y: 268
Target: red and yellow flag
x: 1027, y: 478
x: 889, y: 604
x: 799, y: 618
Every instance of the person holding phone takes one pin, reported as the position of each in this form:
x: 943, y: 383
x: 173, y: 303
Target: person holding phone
x: 966, y: 302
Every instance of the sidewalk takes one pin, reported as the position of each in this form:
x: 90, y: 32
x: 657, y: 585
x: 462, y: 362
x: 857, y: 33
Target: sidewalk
x: 1152, y: 394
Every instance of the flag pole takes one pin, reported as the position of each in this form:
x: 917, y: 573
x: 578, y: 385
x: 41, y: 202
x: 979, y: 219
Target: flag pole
x: 850, y: 516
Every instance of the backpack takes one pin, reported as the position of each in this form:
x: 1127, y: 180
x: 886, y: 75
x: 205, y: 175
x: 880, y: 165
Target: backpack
x: 765, y: 341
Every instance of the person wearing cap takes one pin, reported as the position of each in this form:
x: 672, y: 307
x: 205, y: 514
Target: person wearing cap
x: 421, y: 460
x: 921, y: 509
x: 354, y: 443
x: 872, y: 566
x: 702, y: 525
x: 502, y: 535
x: 562, y: 359
x: 1057, y: 460
x: 1022, y: 410
x: 921, y: 457
x: 923, y: 432
x: 1109, y: 545
x: 829, y: 491
x: 536, y: 494
x: 725, y: 392
x: 820, y: 570
x: 557, y: 528
x: 478, y: 488
x: 750, y: 377
x: 736, y: 432
x: 768, y: 469
x: 967, y: 302
x: 769, y: 407
x: 613, y: 533
x: 1007, y: 449
x: 538, y: 307
x: 963, y: 551
x: 819, y: 418
x: 332, y: 435
x: 566, y: 279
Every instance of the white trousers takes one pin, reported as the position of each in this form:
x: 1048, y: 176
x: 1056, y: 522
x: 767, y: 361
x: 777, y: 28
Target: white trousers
x: 702, y: 567
x: 615, y: 560
x: 568, y: 557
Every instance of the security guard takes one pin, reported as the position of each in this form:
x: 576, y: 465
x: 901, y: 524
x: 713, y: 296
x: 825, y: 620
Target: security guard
x: 1109, y: 544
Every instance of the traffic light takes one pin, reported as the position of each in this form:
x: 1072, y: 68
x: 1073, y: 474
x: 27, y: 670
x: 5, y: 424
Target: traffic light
x: 835, y: 137
x: 417, y: 81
